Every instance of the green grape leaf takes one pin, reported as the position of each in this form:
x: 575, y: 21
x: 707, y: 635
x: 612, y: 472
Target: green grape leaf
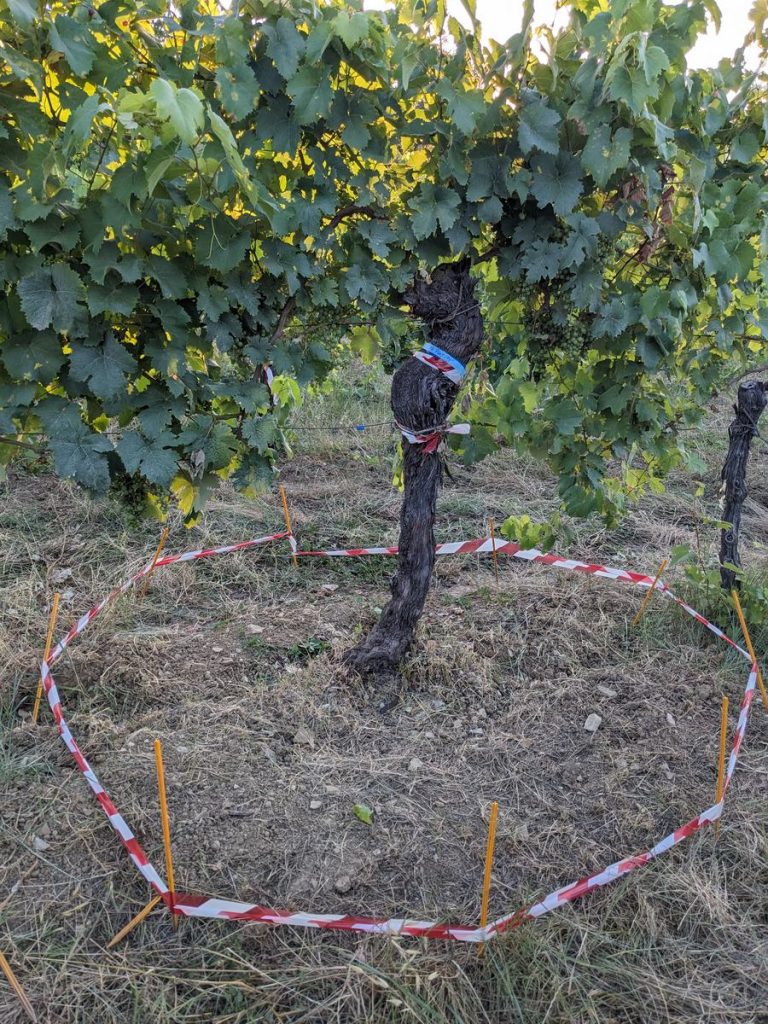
x: 215, y: 440
x: 582, y: 240
x: 7, y: 216
x: 260, y: 432
x: 352, y: 29
x: 538, y: 128
x: 612, y: 319
x: 111, y: 299
x: 73, y: 39
x: 654, y: 60
x: 285, y: 46
x: 604, y: 154
x: 102, y: 366
x: 49, y: 296
x: 464, y: 107
x: 541, y: 260
x: 278, y: 123
x: 182, y: 107
x: 239, y: 89
x: 36, y: 357
x: 23, y: 12
x: 311, y: 93
x: 169, y: 275
x: 155, y: 459
x: 79, y: 125
x: 53, y: 230
x: 565, y: 414
x: 556, y: 181
x: 80, y: 454
x: 433, y: 205
x: 363, y: 813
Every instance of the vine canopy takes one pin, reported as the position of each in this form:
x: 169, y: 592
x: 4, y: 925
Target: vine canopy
x: 192, y: 193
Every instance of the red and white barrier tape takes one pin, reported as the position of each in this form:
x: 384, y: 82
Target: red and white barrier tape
x: 431, y: 437
x: 204, y: 906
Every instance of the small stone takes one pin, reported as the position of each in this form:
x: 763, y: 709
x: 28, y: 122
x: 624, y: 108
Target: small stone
x: 40, y: 844
x: 415, y: 764
x: 343, y: 884
x: 304, y: 738
x: 328, y: 588
x: 60, y: 575
x: 253, y: 628
x: 606, y: 691
x: 671, y: 720
x: 667, y: 771
x: 182, y: 750
x: 593, y: 722
x: 68, y: 595
x: 315, y: 805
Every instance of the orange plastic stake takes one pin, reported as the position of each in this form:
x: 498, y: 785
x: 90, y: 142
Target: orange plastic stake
x: 15, y: 985
x: 48, y: 641
x: 493, y: 543
x: 166, y: 823
x: 158, y: 552
x: 750, y: 648
x: 287, y: 516
x: 721, y: 757
x: 649, y: 595
x: 144, y: 912
x: 488, y: 867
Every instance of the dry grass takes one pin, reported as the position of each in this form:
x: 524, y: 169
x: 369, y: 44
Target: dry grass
x: 234, y: 662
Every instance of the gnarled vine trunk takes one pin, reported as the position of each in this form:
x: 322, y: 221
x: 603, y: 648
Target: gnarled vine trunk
x: 750, y: 403
x: 421, y: 398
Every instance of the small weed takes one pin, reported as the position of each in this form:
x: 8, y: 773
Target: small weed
x: 306, y: 649
x: 257, y: 645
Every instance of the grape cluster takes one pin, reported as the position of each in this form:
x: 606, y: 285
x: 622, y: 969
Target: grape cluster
x: 574, y: 335
x: 548, y: 336
x: 605, y: 248
x: 132, y: 496
x: 554, y: 329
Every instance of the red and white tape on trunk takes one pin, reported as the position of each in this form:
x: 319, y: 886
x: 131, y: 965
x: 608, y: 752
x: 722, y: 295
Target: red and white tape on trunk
x: 204, y: 906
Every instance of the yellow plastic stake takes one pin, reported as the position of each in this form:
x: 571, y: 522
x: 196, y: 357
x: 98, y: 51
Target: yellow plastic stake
x: 166, y: 824
x: 488, y: 867
x: 721, y: 757
x: 750, y: 648
x: 493, y: 544
x: 287, y: 516
x: 649, y: 595
x: 15, y: 985
x: 48, y: 641
x: 144, y: 912
x: 158, y: 552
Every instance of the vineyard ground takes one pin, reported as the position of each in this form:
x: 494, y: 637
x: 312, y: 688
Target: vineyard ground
x: 235, y: 664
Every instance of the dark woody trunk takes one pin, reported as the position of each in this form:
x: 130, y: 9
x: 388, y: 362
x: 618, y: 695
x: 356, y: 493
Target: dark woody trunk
x: 421, y: 398
x: 752, y: 399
